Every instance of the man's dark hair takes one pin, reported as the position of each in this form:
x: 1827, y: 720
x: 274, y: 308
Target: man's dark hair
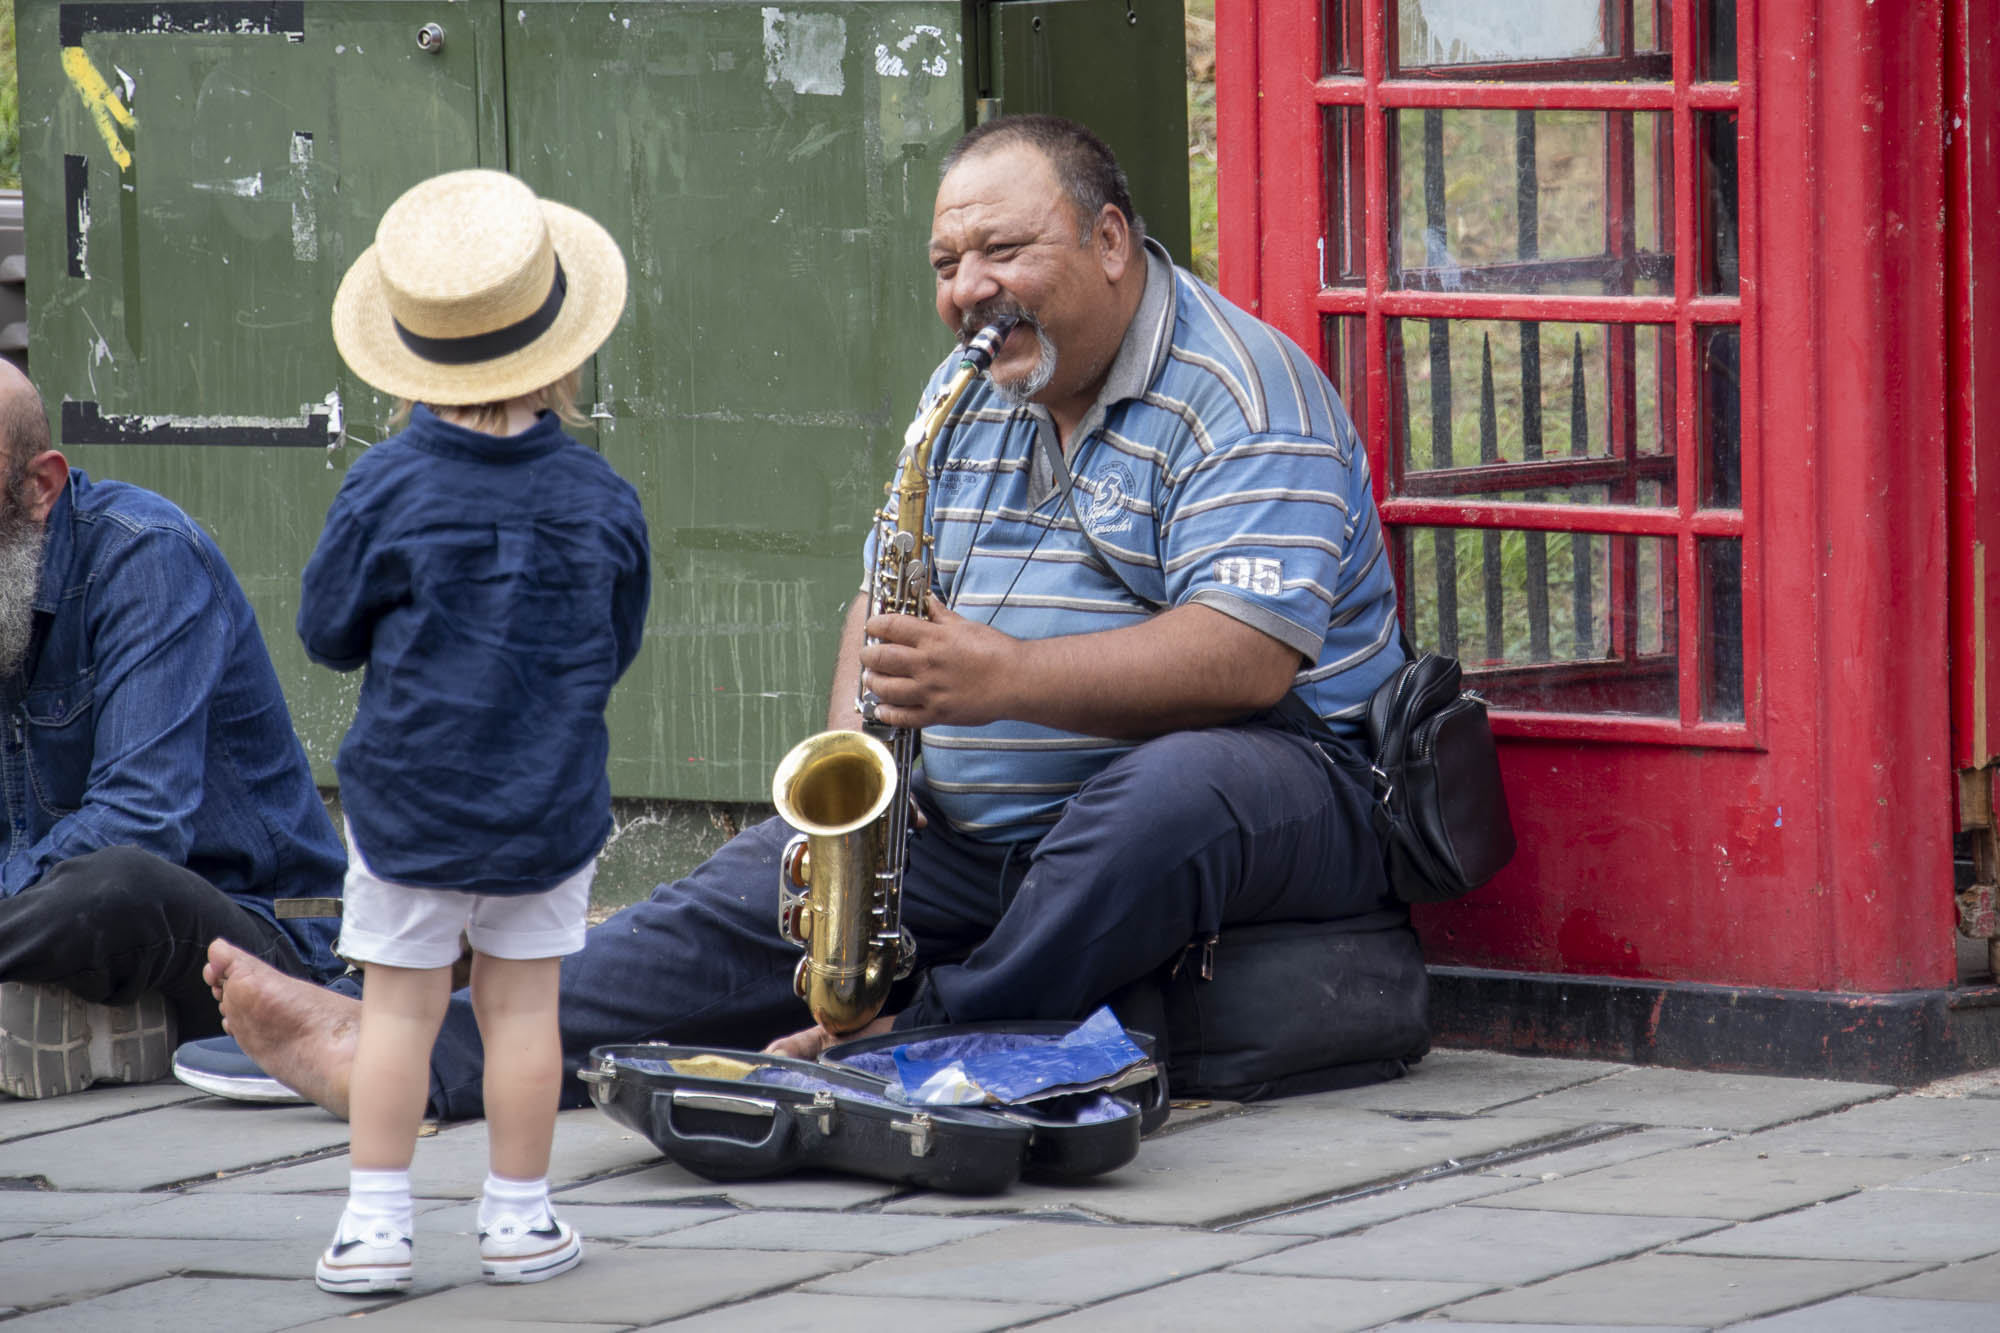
x: 24, y: 433
x: 1084, y: 164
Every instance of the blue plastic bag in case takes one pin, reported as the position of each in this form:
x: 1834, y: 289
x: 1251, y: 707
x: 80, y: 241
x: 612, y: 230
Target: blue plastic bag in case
x: 1006, y: 1068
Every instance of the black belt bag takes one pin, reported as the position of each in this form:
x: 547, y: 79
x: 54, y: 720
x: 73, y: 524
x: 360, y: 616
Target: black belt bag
x: 1440, y: 806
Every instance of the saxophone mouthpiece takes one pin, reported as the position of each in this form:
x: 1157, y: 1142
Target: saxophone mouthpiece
x: 985, y: 344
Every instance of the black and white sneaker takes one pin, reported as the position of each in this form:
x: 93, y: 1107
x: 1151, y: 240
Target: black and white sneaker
x: 509, y: 1251
x: 220, y: 1068
x: 379, y: 1259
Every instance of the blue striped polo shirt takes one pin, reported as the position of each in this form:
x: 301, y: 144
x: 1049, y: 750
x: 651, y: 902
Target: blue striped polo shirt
x: 1216, y: 467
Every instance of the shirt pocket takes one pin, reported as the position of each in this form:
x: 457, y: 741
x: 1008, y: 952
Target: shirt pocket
x: 60, y: 742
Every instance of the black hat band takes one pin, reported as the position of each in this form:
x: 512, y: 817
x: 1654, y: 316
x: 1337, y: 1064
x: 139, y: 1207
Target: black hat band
x: 489, y: 346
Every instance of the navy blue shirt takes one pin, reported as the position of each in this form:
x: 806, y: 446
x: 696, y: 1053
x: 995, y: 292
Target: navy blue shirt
x: 147, y: 715
x: 495, y: 588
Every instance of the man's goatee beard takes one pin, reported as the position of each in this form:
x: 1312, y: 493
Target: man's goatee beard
x: 1037, y: 379
x: 21, y: 540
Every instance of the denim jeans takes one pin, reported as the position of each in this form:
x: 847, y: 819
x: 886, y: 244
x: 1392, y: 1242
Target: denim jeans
x: 115, y: 924
x: 1175, y: 839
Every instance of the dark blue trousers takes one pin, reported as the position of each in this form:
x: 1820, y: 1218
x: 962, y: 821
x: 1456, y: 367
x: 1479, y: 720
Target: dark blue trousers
x: 1179, y: 837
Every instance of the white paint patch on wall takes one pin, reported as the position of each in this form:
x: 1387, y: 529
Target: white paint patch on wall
x: 805, y: 51
x: 305, y: 220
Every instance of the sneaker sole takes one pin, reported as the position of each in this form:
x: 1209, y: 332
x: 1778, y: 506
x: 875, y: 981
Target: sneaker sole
x: 246, y: 1088
x: 361, y: 1281
x: 534, y: 1268
x: 53, y: 1043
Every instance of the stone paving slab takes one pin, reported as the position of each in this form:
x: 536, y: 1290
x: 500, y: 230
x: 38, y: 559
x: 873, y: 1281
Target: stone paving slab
x: 20, y: 1118
x: 45, y: 1270
x: 1267, y: 1304
x: 1678, y: 1289
x: 1330, y: 1219
x: 1867, y: 1314
x: 1928, y: 1225
x: 190, y: 1305
x: 1061, y: 1264
x: 1487, y: 1246
x: 1734, y: 1180
x: 1977, y: 1174
x: 1465, y: 1083
x: 864, y: 1233
x: 1905, y: 1127
x: 1258, y: 1163
x: 1975, y: 1280
x: 170, y: 1144
x: 608, y: 1221
x: 452, y: 1162
x: 664, y: 1183
x: 1456, y: 1326
x: 1612, y: 1151
x: 614, y: 1286
x: 306, y: 1220
x: 47, y: 1208
x: 821, y: 1312
x: 1695, y: 1100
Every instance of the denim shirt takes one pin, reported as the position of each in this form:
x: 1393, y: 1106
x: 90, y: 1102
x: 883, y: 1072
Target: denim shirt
x: 147, y: 714
x: 495, y: 587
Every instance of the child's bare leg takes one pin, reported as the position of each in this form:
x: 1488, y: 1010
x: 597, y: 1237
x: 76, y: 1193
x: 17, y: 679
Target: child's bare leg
x: 401, y: 1011
x: 514, y: 1000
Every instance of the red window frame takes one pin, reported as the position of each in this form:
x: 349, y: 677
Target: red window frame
x: 1273, y: 186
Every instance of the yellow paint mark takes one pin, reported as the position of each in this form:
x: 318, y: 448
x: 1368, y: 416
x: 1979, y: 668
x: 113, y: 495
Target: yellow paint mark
x: 101, y: 102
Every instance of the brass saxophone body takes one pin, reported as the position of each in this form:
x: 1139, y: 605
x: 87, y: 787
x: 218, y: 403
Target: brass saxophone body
x: 840, y: 881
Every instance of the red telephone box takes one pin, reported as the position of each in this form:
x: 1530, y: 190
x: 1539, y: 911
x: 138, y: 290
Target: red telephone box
x: 1661, y: 323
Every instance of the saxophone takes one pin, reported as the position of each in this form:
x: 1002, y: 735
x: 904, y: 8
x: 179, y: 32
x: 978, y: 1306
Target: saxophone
x: 840, y: 880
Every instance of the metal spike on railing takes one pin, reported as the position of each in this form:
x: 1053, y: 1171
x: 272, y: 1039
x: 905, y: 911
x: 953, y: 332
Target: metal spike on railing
x: 1583, y: 599
x: 1489, y: 540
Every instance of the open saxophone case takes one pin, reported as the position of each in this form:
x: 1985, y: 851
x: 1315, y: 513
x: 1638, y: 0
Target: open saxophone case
x: 967, y: 1109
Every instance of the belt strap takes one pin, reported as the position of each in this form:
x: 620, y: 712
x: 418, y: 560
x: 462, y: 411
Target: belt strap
x: 289, y: 908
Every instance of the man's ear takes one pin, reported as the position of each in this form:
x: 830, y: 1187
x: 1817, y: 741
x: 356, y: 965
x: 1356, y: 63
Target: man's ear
x: 1112, y: 237
x: 47, y: 474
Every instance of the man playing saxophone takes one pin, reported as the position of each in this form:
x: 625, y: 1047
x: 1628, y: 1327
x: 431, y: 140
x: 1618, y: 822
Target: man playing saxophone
x: 1150, y: 523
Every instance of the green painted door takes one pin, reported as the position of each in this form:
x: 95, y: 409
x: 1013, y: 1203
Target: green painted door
x: 769, y: 172
x: 198, y: 177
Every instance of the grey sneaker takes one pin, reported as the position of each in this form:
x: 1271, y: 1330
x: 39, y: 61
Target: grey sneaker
x: 53, y: 1043
x: 509, y: 1251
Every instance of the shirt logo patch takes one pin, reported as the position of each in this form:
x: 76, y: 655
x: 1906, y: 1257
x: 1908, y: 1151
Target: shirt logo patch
x: 1258, y: 574
x: 1106, y: 511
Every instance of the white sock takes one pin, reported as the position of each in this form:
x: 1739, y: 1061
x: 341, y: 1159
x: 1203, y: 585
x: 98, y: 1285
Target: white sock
x: 525, y: 1199
x: 380, y: 1196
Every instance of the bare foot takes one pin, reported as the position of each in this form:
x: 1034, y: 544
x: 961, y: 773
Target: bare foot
x: 298, y: 1033
x: 808, y: 1044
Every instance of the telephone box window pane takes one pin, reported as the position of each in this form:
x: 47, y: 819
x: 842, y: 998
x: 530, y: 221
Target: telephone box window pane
x: 1340, y: 29
x: 1531, y: 201
x: 1343, y: 253
x: 1720, y: 350
x: 1482, y: 32
x: 1606, y: 40
x: 1721, y: 629
x: 1530, y: 411
x: 1717, y: 20
x: 1715, y: 137
x: 1570, y: 622
x: 1346, y: 364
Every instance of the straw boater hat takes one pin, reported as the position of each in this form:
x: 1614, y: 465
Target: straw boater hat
x: 475, y: 291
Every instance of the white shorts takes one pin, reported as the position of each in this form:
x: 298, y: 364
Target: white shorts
x: 406, y: 925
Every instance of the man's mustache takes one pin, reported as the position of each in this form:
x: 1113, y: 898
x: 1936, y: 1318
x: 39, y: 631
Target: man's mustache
x: 986, y: 312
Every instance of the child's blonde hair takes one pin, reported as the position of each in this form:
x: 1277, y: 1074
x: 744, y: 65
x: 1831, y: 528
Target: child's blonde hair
x: 491, y: 418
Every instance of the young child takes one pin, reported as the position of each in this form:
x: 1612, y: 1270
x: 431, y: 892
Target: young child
x: 491, y: 574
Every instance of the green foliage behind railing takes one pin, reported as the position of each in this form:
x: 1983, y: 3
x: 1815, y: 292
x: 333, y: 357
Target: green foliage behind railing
x: 10, y: 103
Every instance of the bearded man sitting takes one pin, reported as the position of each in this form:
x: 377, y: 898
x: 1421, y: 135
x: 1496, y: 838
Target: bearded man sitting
x: 154, y: 794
